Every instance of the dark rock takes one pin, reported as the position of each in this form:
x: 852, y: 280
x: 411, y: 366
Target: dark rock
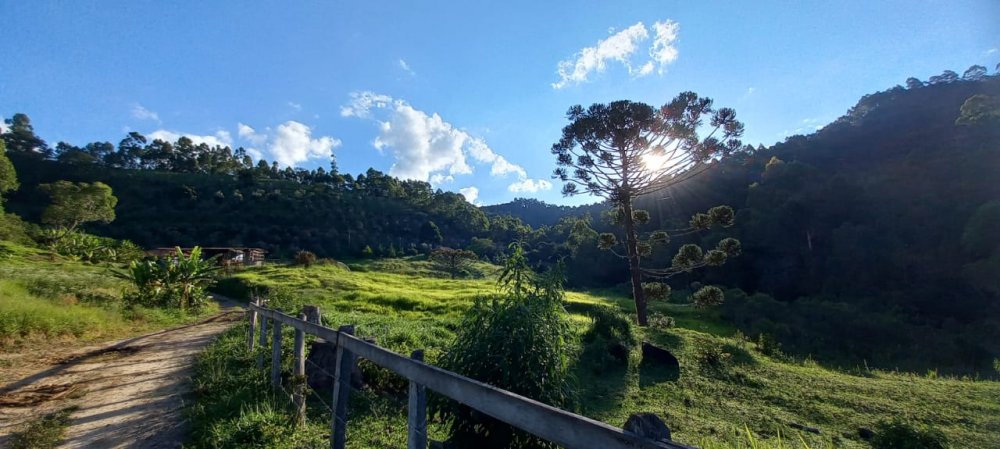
x: 866, y: 433
x: 655, y: 355
x: 648, y: 425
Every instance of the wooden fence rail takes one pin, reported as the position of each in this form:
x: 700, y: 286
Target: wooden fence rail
x: 552, y: 424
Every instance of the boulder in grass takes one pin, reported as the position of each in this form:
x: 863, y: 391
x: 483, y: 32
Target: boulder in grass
x: 649, y: 426
x: 654, y: 355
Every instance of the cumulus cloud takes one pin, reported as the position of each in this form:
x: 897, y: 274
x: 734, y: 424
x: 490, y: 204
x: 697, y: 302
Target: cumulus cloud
x: 470, y: 193
x: 529, y: 185
x: 292, y: 143
x: 141, y: 113
x: 289, y: 144
x: 620, y: 47
x: 220, y: 138
x: 3, y: 127
x: 425, y: 146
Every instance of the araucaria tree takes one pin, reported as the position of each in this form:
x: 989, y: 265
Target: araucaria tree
x: 624, y: 149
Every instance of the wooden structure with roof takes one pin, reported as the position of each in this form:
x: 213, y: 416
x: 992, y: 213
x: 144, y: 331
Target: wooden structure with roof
x: 227, y: 255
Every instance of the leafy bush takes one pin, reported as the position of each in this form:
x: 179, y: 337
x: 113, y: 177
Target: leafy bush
x: 519, y: 341
x: 713, y: 357
x: 901, y: 435
x: 660, y: 321
x: 177, y: 282
x: 305, y: 258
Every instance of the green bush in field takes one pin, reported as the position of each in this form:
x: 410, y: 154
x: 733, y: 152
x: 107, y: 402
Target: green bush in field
x: 305, y: 258
x: 179, y: 282
x: 519, y: 341
x: 901, y: 435
x: 90, y: 248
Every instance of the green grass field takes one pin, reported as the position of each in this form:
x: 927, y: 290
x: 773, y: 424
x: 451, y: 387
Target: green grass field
x: 746, y: 400
x: 44, y: 296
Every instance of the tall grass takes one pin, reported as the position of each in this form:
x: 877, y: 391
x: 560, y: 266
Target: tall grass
x: 24, y: 315
x: 43, y: 295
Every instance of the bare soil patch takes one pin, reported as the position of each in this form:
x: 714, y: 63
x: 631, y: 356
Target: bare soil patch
x: 127, y: 395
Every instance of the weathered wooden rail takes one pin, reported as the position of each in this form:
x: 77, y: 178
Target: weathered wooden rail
x: 566, y: 429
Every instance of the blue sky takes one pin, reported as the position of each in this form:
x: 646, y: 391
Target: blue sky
x: 465, y: 95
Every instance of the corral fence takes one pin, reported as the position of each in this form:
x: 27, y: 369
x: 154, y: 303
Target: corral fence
x: 561, y: 427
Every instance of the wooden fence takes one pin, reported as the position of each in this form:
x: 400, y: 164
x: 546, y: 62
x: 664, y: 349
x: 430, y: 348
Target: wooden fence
x: 552, y: 424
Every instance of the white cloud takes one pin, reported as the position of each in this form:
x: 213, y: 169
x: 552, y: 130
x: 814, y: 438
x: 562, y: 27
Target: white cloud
x: 294, y: 105
x: 250, y: 135
x: 470, y: 193
x: 406, y: 68
x: 220, y: 138
x: 529, y: 185
x: 141, y: 113
x: 620, y: 47
x: 3, y: 127
x: 289, y: 144
x: 362, y: 103
x: 293, y: 143
x: 439, y: 178
x: 992, y: 50
x: 424, y: 145
x: 663, y: 51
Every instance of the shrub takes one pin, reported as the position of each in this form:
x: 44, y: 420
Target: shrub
x: 662, y: 322
x: 519, y: 341
x: 305, y: 258
x: 902, y: 435
x: 713, y: 357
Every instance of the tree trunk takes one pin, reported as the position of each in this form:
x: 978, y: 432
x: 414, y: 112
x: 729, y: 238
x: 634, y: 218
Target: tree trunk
x: 632, y: 246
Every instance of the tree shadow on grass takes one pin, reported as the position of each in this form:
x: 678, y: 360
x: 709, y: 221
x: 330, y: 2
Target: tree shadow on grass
x: 601, y: 390
x: 651, y: 374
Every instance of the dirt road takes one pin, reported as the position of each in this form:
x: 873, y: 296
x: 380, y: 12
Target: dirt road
x: 129, y: 394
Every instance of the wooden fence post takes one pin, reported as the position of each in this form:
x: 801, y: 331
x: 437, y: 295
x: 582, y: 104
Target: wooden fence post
x: 276, y: 356
x: 262, y: 342
x: 253, y: 325
x: 417, y: 411
x: 298, y: 374
x: 341, y: 391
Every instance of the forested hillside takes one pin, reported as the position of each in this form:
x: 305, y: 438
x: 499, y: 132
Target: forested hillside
x: 873, y: 236
x: 877, y: 234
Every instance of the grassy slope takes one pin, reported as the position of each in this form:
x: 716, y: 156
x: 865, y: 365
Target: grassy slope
x: 407, y: 309
x: 44, y: 296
